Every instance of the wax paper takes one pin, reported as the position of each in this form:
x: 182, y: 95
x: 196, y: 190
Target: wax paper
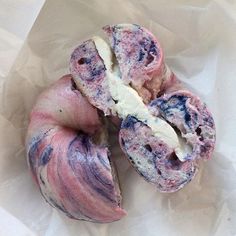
x: 199, y: 42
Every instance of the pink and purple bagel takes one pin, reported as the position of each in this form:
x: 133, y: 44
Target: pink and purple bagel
x: 69, y: 157
x: 141, y: 64
x: 66, y: 142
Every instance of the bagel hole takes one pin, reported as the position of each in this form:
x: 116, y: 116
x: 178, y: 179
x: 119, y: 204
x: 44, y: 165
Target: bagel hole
x: 99, y: 137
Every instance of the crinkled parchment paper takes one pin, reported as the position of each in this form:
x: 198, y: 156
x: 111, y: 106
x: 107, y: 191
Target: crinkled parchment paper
x: 199, y: 41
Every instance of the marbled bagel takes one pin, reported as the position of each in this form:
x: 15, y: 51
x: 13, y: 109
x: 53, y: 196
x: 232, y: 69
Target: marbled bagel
x: 161, y: 166
x: 68, y: 155
x: 165, y: 129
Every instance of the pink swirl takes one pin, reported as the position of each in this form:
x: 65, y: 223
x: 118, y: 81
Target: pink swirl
x: 72, y: 171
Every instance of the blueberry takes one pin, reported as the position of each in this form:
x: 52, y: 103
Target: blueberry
x: 129, y: 122
x: 46, y: 155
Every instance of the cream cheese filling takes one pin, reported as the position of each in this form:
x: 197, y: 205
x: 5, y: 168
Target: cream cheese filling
x: 128, y: 102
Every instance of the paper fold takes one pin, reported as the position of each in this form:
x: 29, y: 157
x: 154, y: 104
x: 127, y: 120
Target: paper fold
x: 198, y: 39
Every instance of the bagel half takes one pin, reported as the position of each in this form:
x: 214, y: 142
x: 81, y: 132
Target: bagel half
x: 68, y: 155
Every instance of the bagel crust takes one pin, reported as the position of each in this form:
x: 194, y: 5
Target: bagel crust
x: 72, y: 170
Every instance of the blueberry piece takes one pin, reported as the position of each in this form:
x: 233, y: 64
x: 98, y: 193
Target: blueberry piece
x: 46, y: 155
x: 141, y: 55
x: 187, y: 117
x: 129, y: 122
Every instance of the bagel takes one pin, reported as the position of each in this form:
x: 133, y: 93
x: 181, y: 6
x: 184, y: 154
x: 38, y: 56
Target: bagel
x: 68, y: 155
x: 165, y: 130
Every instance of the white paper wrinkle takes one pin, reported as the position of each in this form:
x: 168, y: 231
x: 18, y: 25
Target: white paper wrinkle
x: 198, y: 39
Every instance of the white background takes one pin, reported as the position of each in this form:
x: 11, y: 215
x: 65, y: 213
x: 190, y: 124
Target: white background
x: 16, y: 20
x: 199, y: 41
